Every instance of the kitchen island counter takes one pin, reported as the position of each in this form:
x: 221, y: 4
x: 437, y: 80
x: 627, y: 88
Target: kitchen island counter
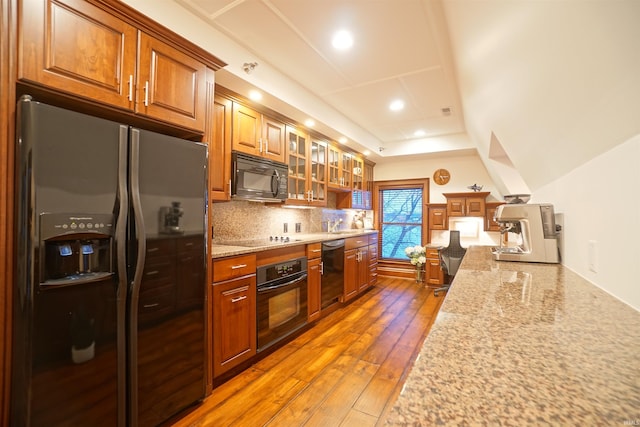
x: 524, y: 344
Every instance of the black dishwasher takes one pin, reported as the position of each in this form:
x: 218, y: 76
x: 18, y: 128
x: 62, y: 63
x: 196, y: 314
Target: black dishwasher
x: 332, y: 286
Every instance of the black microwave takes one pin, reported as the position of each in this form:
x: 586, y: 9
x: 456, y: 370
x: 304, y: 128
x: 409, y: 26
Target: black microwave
x: 258, y: 179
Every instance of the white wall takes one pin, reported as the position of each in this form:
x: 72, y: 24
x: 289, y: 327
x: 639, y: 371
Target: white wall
x: 465, y: 170
x: 600, y: 202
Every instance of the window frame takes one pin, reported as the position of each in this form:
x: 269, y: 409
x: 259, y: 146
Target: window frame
x: 379, y: 186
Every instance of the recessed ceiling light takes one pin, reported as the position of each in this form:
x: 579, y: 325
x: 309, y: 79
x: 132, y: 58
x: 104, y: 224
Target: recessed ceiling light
x: 396, y: 105
x: 342, y: 40
x: 309, y: 123
x: 254, y: 95
x: 419, y: 132
x: 342, y: 140
x: 366, y: 152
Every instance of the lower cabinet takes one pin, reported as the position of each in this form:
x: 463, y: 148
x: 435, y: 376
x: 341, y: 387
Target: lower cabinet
x: 356, y: 267
x: 434, y: 273
x: 234, y: 313
x: 314, y: 281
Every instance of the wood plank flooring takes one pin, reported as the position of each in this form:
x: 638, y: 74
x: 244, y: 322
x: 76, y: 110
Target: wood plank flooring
x: 345, y: 371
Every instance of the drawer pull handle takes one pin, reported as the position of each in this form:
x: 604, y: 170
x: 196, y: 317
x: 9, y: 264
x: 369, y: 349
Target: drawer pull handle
x: 316, y: 250
x: 153, y: 249
x: 235, y: 267
x: 189, y: 244
x: 152, y: 273
x: 151, y: 305
x: 237, y: 299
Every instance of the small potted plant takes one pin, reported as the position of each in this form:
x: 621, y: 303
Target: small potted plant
x: 418, y: 257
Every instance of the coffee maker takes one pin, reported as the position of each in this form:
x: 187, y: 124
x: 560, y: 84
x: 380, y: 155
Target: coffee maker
x: 536, y: 233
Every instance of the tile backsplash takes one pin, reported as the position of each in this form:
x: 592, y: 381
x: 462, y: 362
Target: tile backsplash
x: 240, y: 220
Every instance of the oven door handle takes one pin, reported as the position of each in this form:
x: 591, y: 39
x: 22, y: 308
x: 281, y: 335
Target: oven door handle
x: 282, y: 285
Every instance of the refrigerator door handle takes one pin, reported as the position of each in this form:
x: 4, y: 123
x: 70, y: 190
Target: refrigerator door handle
x: 134, y: 183
x: 121, y: 257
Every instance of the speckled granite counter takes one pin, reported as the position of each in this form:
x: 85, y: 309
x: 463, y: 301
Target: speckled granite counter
x: 224, y: 249
x: 524, y: 344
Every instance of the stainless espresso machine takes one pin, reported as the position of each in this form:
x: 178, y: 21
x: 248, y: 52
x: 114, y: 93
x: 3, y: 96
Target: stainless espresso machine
x: 536, y: 233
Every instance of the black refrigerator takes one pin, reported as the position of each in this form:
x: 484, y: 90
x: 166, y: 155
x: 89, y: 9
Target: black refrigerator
x: 109, y: 289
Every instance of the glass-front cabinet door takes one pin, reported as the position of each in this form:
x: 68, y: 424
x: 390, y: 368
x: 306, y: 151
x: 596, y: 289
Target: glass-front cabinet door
x: 297, y: 162
x: 318, y: 175
x: 347, y: 171
x: 335, y: 170
x: 307, y: 160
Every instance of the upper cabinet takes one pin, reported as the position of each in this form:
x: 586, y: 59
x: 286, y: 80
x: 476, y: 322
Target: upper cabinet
x: 219, y: 137
x: 257, y: 134
x: 307, y: 162
x: 339, y: 169
x: 98, y: 51
x: 466, y: 204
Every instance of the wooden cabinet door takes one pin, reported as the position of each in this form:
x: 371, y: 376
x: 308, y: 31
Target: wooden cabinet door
x: 297, y: 151
x: 434, y: 272
x: 171, y: 85
x: 318, y: 174
x: 220, y: 150
x: 490, y: 224
x: 363, y: 268
x: 335, y: 167
x: 77, y: 48
x: 314, y: 278
x: 475, y: 206
x: 234, y: 320
x: 273, y: 140
x: 350, y: 274
x: 246, y: 130
x: 456, y: 206
x: 438, y: 218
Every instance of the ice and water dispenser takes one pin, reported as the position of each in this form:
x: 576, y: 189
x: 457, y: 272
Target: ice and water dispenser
x: 77, y: 248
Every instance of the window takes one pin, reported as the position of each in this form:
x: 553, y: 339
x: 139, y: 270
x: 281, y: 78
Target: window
x: 400, y: 217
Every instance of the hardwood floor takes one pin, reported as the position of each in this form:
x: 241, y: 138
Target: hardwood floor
x: 345, y: 371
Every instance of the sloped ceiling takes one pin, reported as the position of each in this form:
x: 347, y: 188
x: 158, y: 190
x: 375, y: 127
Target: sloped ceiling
x: 536, y: 87
x: 556, y: 83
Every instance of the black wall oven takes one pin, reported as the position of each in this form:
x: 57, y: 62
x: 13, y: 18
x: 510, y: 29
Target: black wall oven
x: 281, y: 301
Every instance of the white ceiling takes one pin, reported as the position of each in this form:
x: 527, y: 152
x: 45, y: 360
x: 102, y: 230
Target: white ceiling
x: 401, y: 51
x: 536, y: 88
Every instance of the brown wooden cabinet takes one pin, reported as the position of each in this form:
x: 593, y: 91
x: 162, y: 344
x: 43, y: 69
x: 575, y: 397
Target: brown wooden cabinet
x: 339, y: 169
x: 466, y: 204
x: 219, y: 136
x: 78, y: 48
x: 438, y: 217
x: 234, y: 312
x: 356, y: 266
x: 314, y: 280
x: 256, y: 134
x: 433, y: 270
x: 373, y: 259
x: 307, y: 162
x: 489, y: 223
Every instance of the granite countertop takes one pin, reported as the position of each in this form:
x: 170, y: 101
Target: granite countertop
x: 524, y: 344
x: 223, y: 249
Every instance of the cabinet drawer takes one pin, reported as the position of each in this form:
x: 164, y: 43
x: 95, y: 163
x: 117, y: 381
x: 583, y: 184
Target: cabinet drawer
x: 373, y: 238
x: 373, y: 254
x: 314, y: 250
x: 433, y: 253
x: 356, y: 242
x: 229, y: 268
